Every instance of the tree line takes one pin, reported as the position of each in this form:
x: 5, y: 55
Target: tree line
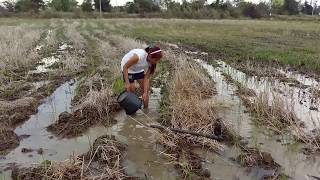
x: 170, y: 8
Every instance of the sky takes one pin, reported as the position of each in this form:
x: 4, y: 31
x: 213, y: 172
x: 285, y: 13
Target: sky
x: 122, y: 2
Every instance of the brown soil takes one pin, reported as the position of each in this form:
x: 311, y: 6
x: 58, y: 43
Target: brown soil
x: 14, y: 90
x: 73, y: 124
x: 15, y: 112
x: 102, y: 161
x: 38, y: 77
x: 8, y: 140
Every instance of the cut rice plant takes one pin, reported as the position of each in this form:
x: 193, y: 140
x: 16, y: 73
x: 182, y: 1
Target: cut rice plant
x: 17, y: 51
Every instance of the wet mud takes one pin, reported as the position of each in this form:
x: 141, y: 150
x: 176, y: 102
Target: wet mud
x: 76, y: 123
x: 9, y: 140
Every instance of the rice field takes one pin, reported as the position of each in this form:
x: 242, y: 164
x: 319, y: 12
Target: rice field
x: 247, y: 90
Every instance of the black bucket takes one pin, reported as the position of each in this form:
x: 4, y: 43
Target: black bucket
x: 130, y: 102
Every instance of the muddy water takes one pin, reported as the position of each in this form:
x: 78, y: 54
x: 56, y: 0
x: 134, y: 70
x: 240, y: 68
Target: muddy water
x: 295, y: 164
x: 232, y: 111
x: 37, y: 137
x: 143, y: 157
x: 297, y: 99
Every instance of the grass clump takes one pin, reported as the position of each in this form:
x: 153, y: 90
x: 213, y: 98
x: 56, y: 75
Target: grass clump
x: 253, y: 157
x: 118, y: 86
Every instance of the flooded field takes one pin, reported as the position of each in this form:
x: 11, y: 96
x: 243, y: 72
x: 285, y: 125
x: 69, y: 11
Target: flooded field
x: 282, y: 148
x: 207, y: 118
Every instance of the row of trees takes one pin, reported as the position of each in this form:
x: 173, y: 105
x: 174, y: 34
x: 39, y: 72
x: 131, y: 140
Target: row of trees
x: 57, y: 5
x: 186, y: 9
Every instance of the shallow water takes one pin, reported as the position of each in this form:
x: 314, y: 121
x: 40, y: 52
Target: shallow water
x: 299, y: 100
x: 143, y: 158
x: 294, y: 163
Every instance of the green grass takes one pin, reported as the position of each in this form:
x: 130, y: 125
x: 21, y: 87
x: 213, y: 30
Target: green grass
x: 296, y: 43
x: 118, y: 86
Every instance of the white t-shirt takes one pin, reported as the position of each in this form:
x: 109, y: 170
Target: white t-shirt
x: 142, y: 63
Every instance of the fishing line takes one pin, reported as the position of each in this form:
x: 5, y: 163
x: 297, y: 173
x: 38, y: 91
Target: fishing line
x: 138, y: 122
x: 148, y: 117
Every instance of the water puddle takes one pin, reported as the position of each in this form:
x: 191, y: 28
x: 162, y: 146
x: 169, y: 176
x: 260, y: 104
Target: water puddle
x: 47, y: 62
x: 303, y: 79
x: 294, y: 163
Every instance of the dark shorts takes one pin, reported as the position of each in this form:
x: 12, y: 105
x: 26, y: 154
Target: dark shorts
x: 134, y: 76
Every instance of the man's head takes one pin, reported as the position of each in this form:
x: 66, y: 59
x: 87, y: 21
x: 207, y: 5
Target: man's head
x: 154, y: 54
